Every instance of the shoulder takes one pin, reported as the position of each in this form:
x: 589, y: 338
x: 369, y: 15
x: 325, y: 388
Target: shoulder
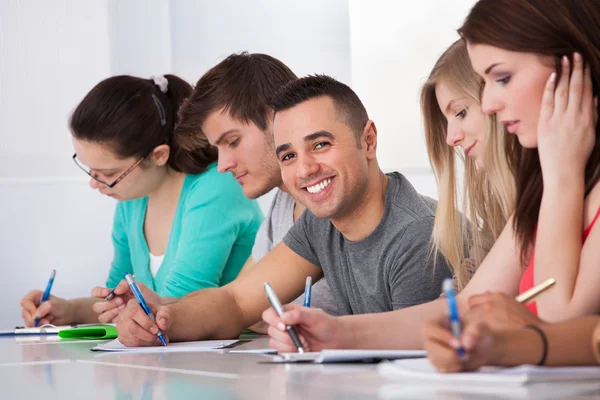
x: 406, y: 201
x: 211, y: 180
x: 217, y: 192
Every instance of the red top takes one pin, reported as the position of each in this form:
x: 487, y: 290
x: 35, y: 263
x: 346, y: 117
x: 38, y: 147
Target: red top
x: 527, y: 278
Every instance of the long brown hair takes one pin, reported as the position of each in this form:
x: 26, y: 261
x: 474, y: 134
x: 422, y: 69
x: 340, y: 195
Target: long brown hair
x: 547, y: 28
x: 487, y: 195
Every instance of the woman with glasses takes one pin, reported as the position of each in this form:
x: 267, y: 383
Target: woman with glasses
x: 179, y: 225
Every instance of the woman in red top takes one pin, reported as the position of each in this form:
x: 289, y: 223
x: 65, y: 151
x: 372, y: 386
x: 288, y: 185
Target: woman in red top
x: 515, y: 46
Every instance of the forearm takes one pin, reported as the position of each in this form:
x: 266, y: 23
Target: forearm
x: 195, y: 316
x: 399, y: 329
x: 569, y: 343
x: 82, y: 312
x: 558, y: 248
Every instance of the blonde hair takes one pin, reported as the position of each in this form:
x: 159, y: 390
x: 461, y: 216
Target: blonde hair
x: 488, y: 195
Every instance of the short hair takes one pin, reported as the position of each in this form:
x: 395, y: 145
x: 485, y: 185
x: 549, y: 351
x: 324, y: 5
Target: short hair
x: 346, y: 102
x: 242, y: 84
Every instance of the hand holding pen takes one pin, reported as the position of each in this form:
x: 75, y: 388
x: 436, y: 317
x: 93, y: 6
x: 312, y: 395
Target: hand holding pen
x: 46, y: 295
x: 276, y: 304
x: 476, y: 343
x: 142, y: 302
x: 113, y: 302
x: 46, y: 308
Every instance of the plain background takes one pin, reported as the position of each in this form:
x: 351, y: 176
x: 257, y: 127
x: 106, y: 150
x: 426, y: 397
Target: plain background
x: 52, y: 52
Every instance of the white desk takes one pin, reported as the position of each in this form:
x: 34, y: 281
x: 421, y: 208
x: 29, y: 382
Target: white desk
x: 45, y: 369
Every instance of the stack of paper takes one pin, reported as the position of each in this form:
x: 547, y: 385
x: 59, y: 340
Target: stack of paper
x: 340, y: 356
x: 204, y: 345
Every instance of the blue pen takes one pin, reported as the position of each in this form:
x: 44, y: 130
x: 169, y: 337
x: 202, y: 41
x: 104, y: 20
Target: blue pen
x: 140, y: 299
x: 46, y: 293
x: 455, y: 324
x: 307, y: 291
x: 110, y: 296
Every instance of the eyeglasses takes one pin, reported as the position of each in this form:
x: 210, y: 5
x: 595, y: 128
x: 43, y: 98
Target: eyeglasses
x: 88, y: 171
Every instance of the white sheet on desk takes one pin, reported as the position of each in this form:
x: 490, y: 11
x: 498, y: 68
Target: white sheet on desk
x: 339, y: 355
x: 422, y: 369
x: 254, y: 351
x: 203, y: 345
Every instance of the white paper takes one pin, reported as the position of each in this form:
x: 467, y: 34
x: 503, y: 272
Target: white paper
x: 203, y: 345
x: 333, y: 356
x: 422, y: 369
x: 254, y: 351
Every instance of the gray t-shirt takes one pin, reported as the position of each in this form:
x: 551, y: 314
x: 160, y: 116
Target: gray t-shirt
x: 280, y: 219
x: 390, y: 269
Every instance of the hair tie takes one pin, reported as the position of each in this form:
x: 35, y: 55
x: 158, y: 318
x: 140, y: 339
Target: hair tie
x: 161, y: 82
x: 542, y: 335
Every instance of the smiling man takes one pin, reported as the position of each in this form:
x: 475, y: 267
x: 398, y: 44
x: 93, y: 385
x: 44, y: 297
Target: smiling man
x: 367, y: 231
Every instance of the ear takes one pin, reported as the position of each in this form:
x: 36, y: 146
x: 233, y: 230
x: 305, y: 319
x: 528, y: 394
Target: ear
x: 369, y: 139
x: 160, y: 155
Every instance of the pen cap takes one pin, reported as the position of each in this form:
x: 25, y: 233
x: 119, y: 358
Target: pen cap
x: 447, y: 285
x: 129, y: 278
x: 273, y: 299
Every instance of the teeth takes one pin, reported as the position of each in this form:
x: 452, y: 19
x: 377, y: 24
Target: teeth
x: 319, y: 186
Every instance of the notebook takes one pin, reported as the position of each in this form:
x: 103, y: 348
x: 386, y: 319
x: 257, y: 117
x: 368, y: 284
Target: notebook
x: 203, y: 345
x: 340, y: 356
x: 525, y: 374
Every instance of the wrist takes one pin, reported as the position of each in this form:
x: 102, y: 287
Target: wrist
x: 567, y: 178
x: 346, y: 334
x: 71, y: 312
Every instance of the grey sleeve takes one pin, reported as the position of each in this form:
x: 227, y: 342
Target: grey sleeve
x: 297, y: 239
x: 413, y: 278
x: 262, y: 242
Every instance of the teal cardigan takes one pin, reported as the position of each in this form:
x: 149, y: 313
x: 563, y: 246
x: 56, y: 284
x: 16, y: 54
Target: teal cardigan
x: 211, y: 237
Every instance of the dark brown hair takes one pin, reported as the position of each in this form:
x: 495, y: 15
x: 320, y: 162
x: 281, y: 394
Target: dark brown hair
x: 347, y: 103
x: 242, y: 85
x: 133, y: 116
x: 548, y: 28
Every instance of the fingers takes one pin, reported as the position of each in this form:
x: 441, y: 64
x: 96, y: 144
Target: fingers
x: 103, y: 306
x: 547, y: 107
x: 28, y: 318
x: 43, y: 310
x: 443, y: 357
x: 100, y: 292
x: 438, y: 330
x: 472, y: 333
x: 282, y: 347
x: 123, y: 287
x: 576, y: 84
x: 271, y: 317
x: 561, y: 94
x: 281, y: 336
x: 163, y: 318
x: 135, y: 327
x: 31, y: 300
x: 109, y: 316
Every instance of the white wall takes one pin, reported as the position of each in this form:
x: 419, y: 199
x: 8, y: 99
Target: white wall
x: 52, y: 52
x: 393, y: 46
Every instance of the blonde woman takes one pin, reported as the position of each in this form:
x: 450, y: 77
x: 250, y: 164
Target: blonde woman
x: 459, y: 134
